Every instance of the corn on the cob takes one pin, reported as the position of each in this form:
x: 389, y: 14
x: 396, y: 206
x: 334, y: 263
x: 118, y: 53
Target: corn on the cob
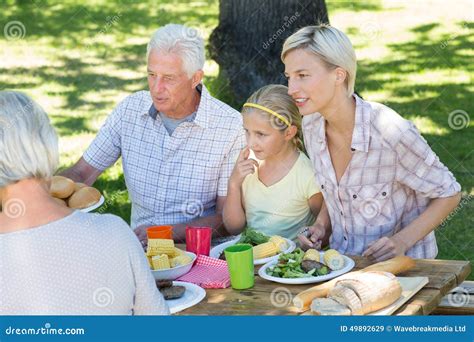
x: 160, y: 262
x: 177, y: 252
x: 279, y: 242
x: 180, y: 260
x: 160, y: 246
x: 264, y: 250
x: 333, y: 259
x: 311, y: 254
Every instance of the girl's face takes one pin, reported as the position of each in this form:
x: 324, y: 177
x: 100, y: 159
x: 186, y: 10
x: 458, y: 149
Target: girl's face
x: 310, y: 82
x: 262, y: 138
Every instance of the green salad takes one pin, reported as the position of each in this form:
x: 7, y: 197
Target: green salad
x: 292, y: 265
x: 253, y: 237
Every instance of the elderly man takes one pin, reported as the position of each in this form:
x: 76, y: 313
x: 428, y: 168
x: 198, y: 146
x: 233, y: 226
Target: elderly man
x: 178, y: 143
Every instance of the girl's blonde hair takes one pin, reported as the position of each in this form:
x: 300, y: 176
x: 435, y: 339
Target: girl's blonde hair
x: 332, y: 46
x: 275, y: 97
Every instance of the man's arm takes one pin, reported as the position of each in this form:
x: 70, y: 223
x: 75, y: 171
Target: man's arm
x: 82, y: 172
x: 179, y: 230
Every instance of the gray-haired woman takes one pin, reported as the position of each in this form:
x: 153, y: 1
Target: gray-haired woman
x: 56, y: 261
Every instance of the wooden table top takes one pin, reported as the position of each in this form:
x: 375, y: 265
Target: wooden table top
x: 443, y: 275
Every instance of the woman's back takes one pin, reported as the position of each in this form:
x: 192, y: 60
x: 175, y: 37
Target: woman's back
x: 82, y: 264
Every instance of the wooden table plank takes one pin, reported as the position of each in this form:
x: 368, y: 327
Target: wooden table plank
x: 269, y: 298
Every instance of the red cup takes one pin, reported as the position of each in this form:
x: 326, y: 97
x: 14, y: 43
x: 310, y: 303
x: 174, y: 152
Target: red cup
x: 198, y: 240
x: 160, y: 232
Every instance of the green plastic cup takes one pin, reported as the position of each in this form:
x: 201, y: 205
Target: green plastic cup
x: 240, y: 263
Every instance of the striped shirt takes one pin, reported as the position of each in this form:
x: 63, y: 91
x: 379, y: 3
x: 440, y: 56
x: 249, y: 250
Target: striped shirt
x: 389, y: 182
x: 173, y: 178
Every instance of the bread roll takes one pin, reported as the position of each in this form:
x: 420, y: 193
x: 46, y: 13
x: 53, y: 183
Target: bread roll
x: 60, y: 201
x: 395, y: 265
x: 375, y: 290
x: 78, y: 186
x: 84, y: 197
x: 61, y: 187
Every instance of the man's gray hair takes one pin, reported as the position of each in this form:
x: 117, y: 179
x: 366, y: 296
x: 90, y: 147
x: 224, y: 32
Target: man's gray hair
x: 183, y: 41
x: 28, y: 142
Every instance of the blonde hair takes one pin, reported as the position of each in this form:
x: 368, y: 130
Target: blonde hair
x: 332, y: 46
x: 275, y: 97
x: 28, y: 142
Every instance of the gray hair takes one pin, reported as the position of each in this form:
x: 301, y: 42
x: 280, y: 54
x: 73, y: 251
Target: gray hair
x: 182, y: 40
x: 328, y: 43
x: 28, y: 142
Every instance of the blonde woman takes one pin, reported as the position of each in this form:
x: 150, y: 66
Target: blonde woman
x: 384, y: 188
x: 55, y: 261
x: 277, y: 194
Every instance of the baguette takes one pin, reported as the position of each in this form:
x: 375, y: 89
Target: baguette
x: 395, y: 265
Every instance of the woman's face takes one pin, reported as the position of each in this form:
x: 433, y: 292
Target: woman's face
x: 311, y: 84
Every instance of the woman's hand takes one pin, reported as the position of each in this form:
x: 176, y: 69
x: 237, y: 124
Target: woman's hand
x: 385, y: 248
x: 243, y: 167
x: 311, y: 237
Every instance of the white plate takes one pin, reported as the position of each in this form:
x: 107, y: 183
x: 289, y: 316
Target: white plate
x: 192, y: 296
x: 175, y: 272
x: 94, y: 206
x: 348, y: 265
x: 217, y: 250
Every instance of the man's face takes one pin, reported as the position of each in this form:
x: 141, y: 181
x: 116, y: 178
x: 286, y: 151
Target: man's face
x: 168, y: 82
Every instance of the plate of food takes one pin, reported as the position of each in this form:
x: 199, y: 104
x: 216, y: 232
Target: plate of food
x: 74, y: 195
x: 180, y: 295
x: 166, y: 261
x: 312, y: 266
x: 265, y: 248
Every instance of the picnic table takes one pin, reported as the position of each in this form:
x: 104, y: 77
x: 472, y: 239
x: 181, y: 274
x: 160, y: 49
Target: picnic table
x: 444, y: 275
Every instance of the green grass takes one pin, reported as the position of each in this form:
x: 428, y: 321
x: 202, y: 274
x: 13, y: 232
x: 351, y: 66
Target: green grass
x: 79, y: 59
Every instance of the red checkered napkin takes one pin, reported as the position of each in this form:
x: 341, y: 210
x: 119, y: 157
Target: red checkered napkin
x: 209, y: 273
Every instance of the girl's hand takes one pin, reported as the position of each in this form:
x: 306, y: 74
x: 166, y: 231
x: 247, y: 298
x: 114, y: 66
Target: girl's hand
x: 311, y: 237
x: 385, y: 248
x: 243, y: 167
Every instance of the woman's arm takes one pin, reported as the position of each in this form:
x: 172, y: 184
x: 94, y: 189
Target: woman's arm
x: 389, y: 247
x: 319, y: 232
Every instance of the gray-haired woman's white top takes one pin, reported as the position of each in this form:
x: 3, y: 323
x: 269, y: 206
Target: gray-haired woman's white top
x: 82, y: 264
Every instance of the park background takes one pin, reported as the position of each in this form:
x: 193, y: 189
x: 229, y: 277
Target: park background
x: 78, y: 59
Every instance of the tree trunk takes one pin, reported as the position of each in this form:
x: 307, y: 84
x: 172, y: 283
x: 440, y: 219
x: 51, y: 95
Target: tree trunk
x: 248, y: 40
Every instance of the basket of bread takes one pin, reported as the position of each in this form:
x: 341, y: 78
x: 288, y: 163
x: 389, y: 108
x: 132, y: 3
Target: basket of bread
x: 75, y: 195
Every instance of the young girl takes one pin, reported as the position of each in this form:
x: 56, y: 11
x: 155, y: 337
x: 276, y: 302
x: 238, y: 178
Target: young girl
x: 275, y: 193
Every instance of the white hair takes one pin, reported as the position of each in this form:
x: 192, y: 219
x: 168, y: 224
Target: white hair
x: 328, y: 43
x: 182, y: 40
x: 28, y: 142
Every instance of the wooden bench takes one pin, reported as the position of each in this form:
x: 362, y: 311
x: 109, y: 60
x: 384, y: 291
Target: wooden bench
x: 459, y: 301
